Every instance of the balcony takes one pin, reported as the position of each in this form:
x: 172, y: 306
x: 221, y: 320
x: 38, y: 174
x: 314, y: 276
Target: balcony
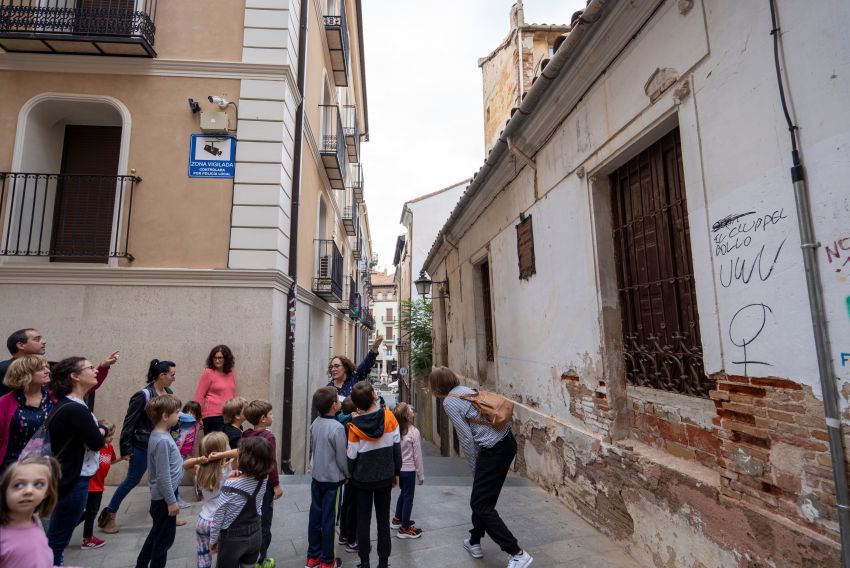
x: 356, y: 246
x: 327, y: 283
x: 390, y: 319
x: 66, y: 217
x: 81, y: 27
x: 349, y: 212
x: 352, y: 136
x: 336, y: 33
x: 351, y: 305
x: 355, y: 177
x: 368, y: 320
x: 333, y: 145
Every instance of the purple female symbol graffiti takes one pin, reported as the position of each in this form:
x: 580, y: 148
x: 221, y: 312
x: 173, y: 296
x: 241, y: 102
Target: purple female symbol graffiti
x: 746, y: 325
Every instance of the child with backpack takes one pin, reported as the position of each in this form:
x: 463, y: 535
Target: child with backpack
x: 236, y: 532
x: 107, y: 458
x: 210, y: 475
x: 412, y: 470
x: 489, y: 447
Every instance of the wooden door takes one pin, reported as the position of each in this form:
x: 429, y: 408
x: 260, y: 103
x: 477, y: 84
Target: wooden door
x: 85, y: 199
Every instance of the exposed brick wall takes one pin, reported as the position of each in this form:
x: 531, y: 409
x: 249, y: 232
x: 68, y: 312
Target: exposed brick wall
x: 774, y: 451
x: 590, y: 406
x: 669, y: 429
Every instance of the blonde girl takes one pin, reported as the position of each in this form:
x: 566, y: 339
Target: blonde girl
x: 28, y: 490
x: 210, y: 474
x: 411, y: 470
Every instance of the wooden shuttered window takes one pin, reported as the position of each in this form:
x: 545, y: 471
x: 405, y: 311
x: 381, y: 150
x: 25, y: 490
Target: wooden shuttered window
x: 655, y: 280
x: 488, y: 311
x: 525, y: 247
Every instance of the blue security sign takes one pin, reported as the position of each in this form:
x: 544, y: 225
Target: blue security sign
x: 212, y: 156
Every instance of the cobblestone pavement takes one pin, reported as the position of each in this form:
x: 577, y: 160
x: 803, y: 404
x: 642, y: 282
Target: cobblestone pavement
x: 547, y: 529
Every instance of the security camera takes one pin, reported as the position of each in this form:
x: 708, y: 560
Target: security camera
x: 217, y: 100
x: 194, y: 106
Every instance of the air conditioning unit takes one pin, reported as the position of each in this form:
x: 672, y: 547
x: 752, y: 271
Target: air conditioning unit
x: 324, y: 267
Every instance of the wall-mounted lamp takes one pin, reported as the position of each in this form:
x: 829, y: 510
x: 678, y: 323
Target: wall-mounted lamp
x: 423, y: 286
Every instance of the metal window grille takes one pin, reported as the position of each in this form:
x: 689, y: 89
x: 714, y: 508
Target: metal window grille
x: 525, y: 248
x: 662, y: 346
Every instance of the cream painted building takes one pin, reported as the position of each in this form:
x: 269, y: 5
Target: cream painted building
x: 107, y: 243
x: 385, y: 305
x: 644, y: 267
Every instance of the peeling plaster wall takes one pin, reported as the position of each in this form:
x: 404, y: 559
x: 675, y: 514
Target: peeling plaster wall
x: 708, y: 71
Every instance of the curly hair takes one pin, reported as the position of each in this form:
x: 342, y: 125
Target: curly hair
x: 61, y: 382
x: 229, y: 360
x: 20, y: 372
x: 346, y: 362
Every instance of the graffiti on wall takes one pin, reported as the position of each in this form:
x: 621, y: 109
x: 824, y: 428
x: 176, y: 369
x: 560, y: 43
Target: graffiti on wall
x: 742, y: 261
x: 834, y: 253
x: 745, y: 327
x: 845, y: 358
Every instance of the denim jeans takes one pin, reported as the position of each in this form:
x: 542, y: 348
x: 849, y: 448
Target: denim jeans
x: 137, y: 468
x: 320, y: 528
x: 404, y: 505
x: 65, y: 518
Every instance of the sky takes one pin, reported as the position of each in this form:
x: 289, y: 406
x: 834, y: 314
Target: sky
x: 424, y: 94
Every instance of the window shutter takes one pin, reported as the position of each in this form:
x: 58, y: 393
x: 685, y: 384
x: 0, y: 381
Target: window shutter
x: 525, y: 248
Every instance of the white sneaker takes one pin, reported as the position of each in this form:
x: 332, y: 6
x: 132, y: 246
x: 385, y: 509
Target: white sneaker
x: 521, y: 560
x: 474, y: 550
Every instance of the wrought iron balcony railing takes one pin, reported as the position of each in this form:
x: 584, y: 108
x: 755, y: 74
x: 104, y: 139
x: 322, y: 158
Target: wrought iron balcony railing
x: 336, y: 33
x: 355, y: 180
x: 333, y: 145
x: 81, y: 27
x: 356, y: 246
x: 349, y: 212
x: 368, y: 320
x: 66, y: 217
x: 352, y: 136
x: 327, y: 283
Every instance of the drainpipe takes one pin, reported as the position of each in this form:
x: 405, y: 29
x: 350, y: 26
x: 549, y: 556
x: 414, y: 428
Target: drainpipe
x: 289, y: 357
x: 809, y: 245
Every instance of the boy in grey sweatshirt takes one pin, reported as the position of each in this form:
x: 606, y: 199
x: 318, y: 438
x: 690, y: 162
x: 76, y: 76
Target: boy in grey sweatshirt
x: 329, y: 465
x: 165, y: 470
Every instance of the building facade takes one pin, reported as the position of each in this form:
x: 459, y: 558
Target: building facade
x: 110, y: 242
x: 629, y: 267
x: 385, y: 306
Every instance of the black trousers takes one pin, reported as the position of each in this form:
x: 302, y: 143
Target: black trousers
x: 381, y: 498
x: 154, y: 553
x: 92, y: 508
x: 266, y: 522
x: 491, y: 470
x: 348, y: 514
x: 239, y: 546
x: 213, y: 424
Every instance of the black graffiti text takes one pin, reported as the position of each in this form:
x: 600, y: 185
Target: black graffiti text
x: 741, y: 269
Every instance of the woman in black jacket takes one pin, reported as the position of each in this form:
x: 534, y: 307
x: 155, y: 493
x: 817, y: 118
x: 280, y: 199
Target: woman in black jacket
x: 134, y: 438
x: 76, y: 440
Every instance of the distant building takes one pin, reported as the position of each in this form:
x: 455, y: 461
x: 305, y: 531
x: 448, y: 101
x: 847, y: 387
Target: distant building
x: 385, y: 310
x: 509, y: 70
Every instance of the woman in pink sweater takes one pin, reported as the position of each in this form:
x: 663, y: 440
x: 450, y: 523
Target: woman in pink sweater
x: 216, y: 386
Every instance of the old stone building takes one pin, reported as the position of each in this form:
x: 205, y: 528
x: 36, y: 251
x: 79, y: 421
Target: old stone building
x: 114, y: 237
x: 629, y: 265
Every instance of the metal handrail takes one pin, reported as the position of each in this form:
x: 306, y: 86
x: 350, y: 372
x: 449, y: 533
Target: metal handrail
x: 65, y: 216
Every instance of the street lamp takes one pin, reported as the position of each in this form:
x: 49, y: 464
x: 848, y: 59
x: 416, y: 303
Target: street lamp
x: 423, y: 286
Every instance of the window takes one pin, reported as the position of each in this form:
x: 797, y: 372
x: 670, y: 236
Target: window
x: 389, y: 314
x: 380, y: 296
x: 488, y: 312
x: 389, y: 334
x: 525, y: 247
x: 655, y: 283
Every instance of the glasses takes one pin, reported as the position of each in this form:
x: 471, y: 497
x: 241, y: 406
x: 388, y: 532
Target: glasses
x: 336, y: 366
x: 219, y: 357
x: 92, y: 367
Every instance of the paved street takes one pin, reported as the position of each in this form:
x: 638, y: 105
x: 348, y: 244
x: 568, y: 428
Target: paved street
x: 553, y: 534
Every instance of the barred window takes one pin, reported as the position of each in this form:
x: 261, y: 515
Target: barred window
x: 661, y: 336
